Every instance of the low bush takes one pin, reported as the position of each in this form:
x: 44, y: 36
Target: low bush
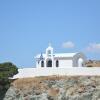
x: 7, y: 70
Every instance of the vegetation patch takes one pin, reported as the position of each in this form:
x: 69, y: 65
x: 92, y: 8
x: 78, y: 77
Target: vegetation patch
x: 7, y: 70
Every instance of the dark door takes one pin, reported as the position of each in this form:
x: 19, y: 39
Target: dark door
x: 49, y: 63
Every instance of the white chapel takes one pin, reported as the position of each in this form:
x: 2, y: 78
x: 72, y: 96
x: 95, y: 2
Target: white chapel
x: 59, y: 60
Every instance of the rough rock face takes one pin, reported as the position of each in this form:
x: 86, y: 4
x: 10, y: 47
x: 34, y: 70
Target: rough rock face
x: 55, y: 88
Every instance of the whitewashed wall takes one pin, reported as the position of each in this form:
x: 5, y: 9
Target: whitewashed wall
x: 32, y: 72
x: 65, y: 63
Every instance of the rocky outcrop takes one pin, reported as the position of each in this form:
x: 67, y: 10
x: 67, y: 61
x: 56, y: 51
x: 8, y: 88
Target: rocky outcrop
x: 92, y: 63
x: 55, y: 88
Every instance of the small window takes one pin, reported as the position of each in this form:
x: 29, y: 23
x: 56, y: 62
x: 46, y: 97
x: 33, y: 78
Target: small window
x: 42, y: 63
x: 57, y: 63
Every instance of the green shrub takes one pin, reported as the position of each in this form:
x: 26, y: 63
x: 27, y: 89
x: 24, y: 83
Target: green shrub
x: 7, y: 70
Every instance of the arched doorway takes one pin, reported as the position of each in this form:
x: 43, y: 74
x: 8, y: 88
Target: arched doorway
x: 57, y: 63
x: 42, y: 63
x: 80, y: 62
x: 49, y: 63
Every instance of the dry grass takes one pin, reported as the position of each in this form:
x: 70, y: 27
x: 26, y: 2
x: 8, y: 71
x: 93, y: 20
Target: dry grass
x: 53, y: 92
x: 37, y: 82
x: 94, y: 64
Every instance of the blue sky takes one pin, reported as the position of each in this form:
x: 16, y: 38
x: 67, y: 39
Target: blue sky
x: 27, y: 26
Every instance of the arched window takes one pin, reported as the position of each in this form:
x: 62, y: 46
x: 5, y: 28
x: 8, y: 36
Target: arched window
x: 42, y: 63
x: 49, y: 63
x: 57, y: 63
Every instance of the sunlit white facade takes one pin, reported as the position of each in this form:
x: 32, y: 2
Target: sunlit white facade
x: 60, y: 60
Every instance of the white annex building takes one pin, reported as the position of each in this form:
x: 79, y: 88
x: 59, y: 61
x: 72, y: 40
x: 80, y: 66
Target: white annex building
x: 60, y: 60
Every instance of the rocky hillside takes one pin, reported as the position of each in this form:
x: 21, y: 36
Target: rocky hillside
x: 55, y: 88
x: 93, y: 63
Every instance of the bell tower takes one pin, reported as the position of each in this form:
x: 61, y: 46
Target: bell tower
x: 49, y: 56
x: 49, y: 51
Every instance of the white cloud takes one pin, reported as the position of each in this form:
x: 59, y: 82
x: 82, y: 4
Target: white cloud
x: 93, y: 47
x: 68, y: 44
